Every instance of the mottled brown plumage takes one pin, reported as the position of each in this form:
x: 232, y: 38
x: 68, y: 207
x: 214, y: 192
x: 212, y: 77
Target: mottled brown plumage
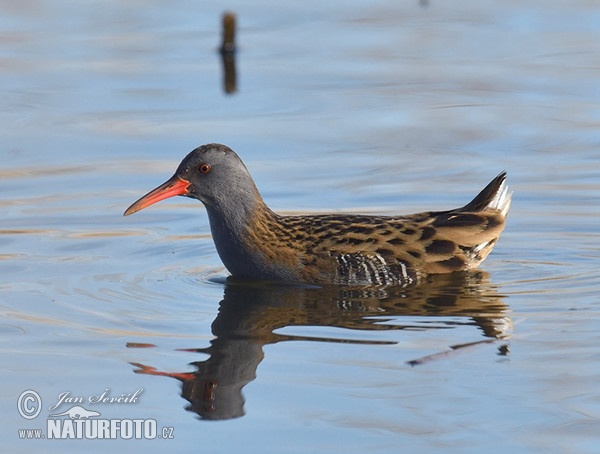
x: 255, y: 242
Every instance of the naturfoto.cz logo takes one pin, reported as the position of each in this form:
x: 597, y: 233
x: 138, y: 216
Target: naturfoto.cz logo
x: 78, y: 422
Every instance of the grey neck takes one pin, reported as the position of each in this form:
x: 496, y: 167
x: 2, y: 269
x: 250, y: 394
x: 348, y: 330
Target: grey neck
x: 230, y: 219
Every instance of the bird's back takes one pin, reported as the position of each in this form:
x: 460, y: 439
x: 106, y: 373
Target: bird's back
x: 390, y: 250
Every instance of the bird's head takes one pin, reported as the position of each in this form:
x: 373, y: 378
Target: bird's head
x: 212, y: 173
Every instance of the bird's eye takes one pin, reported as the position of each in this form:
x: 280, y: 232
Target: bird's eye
x: 204, y: 168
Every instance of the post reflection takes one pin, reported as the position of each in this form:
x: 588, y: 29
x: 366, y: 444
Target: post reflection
x: 251, y: 313
x: 227, y: 51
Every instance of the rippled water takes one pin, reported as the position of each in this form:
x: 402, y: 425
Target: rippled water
x: 380, y: 107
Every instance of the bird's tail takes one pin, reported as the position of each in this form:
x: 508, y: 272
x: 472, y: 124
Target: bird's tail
x: 494, y: 196
x: 473, y: 228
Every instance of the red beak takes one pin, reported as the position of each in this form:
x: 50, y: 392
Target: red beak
x: 172, y: 187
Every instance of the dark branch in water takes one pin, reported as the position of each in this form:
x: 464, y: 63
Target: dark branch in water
x: 228, y: 45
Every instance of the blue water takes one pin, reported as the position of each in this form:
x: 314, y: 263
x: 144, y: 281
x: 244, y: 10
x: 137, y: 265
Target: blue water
x: 381, y: 107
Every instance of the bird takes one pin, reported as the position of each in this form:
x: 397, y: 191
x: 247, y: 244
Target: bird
x: 339, y: 249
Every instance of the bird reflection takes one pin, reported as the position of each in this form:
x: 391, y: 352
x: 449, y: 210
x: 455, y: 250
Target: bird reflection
x: 251, y: 313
